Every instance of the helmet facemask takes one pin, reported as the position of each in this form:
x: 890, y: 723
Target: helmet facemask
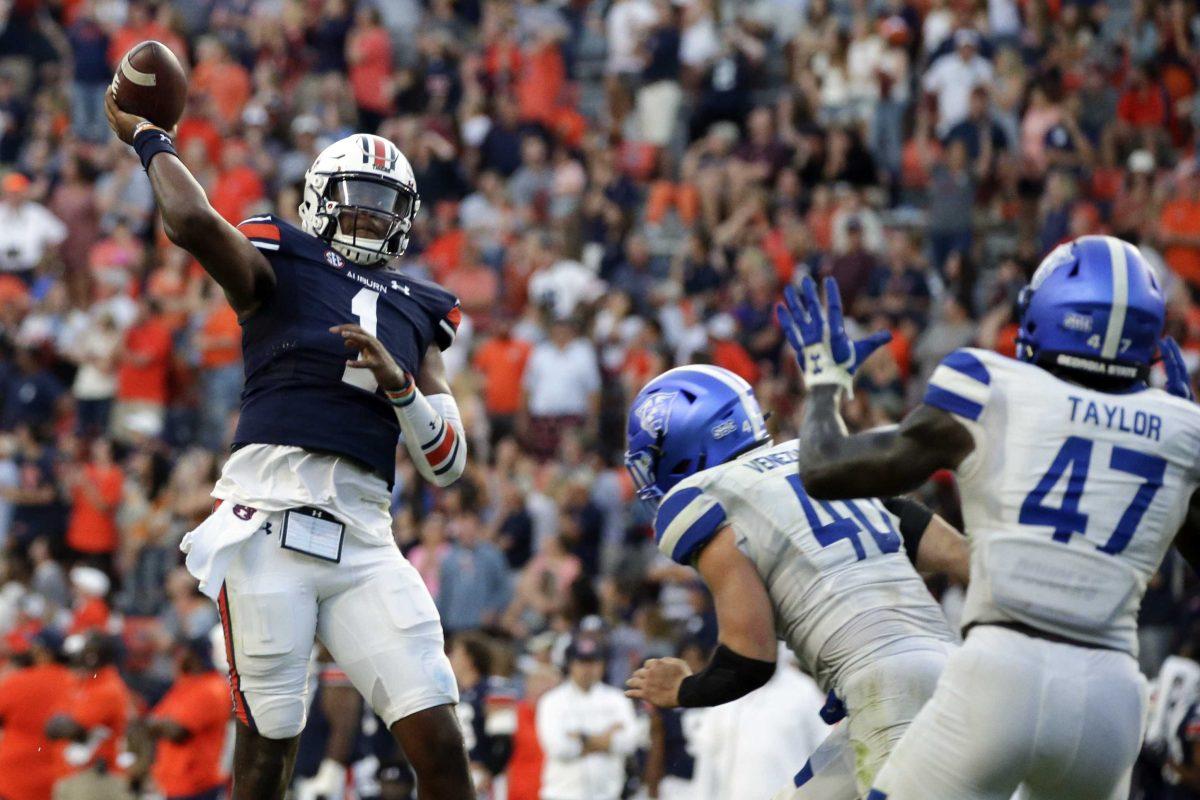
x: 367, y: 218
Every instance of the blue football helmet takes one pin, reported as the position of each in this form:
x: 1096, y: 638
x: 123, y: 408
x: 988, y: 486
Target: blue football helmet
x: 1094, y: 306
x: 686, y: 420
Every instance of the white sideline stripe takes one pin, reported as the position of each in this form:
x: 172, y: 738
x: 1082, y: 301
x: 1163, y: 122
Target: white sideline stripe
x: 135, y: 75
x: 1120, y: 301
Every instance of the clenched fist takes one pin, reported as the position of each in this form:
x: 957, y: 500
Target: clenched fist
x: 657, y: 682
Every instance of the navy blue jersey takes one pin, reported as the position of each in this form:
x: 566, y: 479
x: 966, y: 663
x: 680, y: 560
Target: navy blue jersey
x: 487, y: 715
x: 298, y: 389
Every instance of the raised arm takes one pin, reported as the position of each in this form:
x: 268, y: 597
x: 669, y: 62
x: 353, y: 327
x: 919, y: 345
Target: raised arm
x: 190, y: 221
x: 888, y: 461
x: 832, y: 463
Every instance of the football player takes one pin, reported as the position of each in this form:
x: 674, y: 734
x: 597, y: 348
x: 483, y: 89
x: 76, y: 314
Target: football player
x: 832, y: 580
x: 1075, y: 477
x: 300, y: 547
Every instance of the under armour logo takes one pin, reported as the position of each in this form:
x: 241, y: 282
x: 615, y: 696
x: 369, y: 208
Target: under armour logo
x: 399, y: 287
x: 815, y: 359
x: 266, y: 528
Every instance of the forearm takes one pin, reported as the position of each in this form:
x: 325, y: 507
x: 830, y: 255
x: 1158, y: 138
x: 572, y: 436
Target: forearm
x: 180, y: 199
x: 834, y: 464
x: 883, y: 462
x: 945, y: 551
x: 433, y: 433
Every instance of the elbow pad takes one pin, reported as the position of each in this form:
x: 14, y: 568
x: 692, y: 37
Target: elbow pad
x: 726, y: 678
x: 914, y: 519
x: 433, y: 434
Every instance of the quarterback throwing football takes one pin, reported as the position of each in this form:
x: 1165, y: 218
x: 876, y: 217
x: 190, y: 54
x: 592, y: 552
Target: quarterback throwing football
x: 300, y: 547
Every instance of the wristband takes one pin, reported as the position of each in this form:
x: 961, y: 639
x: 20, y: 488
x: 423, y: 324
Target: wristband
x: 149, y: 140
x: 403, y: 396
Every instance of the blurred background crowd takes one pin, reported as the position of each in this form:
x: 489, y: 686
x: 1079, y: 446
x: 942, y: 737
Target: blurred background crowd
x: 611, y: 188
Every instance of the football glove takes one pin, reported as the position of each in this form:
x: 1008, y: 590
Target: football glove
x: 824, y: 350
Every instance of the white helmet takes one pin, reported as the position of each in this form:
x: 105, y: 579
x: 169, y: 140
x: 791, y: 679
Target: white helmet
x: 361, y: 179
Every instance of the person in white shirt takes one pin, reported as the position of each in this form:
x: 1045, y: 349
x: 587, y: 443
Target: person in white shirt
x: 586, y: 729
x: 562, y: 387
x: 954, y: 76
x: 28, y: 231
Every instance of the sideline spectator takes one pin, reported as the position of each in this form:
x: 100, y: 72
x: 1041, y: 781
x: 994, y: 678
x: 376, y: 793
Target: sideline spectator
x: 586, y: 728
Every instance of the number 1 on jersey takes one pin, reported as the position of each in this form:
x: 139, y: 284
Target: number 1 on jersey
x: 363, y: 306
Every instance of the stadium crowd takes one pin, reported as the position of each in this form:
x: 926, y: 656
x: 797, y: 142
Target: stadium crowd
x: 611, y: 188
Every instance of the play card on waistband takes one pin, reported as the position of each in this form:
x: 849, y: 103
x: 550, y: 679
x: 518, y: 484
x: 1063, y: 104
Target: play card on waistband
x: 313, y: 532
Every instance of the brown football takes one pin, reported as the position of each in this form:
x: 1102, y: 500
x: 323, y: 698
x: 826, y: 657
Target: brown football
x: 150, y: 83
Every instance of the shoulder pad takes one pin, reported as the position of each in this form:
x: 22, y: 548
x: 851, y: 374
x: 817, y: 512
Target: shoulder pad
x: 686, y: 520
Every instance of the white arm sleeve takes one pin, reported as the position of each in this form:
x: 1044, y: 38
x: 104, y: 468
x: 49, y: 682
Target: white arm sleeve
x: 433, y: 436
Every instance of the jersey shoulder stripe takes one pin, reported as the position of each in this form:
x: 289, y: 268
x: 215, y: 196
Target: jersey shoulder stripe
x: 686, y: 520
x: 961, y: 385
x: 262, y: 232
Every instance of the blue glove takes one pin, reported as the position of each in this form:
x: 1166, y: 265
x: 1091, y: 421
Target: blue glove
x: 1179, y: 383
x: 826, y: 354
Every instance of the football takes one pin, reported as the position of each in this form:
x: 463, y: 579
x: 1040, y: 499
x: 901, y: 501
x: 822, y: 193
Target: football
x: 150, y: 83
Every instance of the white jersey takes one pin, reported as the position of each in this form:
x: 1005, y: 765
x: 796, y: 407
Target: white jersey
x: 841, y: 585
x: 1071, y: 496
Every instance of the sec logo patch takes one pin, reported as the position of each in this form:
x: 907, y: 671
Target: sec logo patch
x: 335, y: 261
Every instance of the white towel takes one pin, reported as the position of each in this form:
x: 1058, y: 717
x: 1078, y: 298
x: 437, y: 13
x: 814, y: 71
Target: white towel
x: 210, y: 548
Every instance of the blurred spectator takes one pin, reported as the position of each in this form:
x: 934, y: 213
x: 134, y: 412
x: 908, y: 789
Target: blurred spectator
x: 527, y: 761
x: 91, y: 73
x: 952, y: 78
x: 486, y: 710
x: 586, y: 728
x: 473, y: 584
x: 189, y: 726
x: 28, y: 231
x: 89, y: 606
x: 141, y: 397
x: 222, y: 79
x: 96, y: 488
x: 501, y: 361
x: 219, y: 342
x: 97, y: 713
x: 29, y: 697
x: 660, y: 95
x: 1179, y: 227
x: 562, y: 386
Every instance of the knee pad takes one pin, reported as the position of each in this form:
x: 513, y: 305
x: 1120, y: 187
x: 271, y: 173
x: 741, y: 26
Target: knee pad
x: 276, y: 716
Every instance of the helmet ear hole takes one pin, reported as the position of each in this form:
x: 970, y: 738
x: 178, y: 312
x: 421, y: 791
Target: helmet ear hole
x: 682, y: 467
x: 1032, y: 325
x: 1074, y: 271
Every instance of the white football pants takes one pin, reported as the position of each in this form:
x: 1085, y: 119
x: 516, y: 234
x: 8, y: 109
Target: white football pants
x: 1057, y: 721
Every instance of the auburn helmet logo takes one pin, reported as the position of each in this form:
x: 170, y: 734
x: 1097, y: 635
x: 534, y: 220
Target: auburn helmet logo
x: 378, y: 152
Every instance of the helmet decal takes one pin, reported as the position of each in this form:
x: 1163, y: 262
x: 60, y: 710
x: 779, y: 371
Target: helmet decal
x: 652, y: 414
